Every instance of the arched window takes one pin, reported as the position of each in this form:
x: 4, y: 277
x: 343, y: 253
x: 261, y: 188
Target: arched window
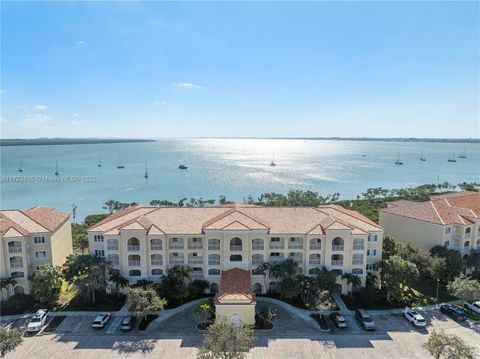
x: 315, y: 244
x: 358, y: 243
x: 337, y: 260
x: 338, y: 244
x: 466, y: 244
x: 113, y: 259
x: 14, y: 247
x: 357, y: 258
x: 134, y: 273
x: 133, y: 244
x: 235, y: 258
x: 257, y: 244
x: 257, y: 259
x: 156, y: 259
x: 157, y: 271
x: 315, y: 259
x: 214, y: 244
x: 156, y: 244
x: 357, y: 271
x: 235, y: 244
x: 214, y: 272
x: 112, y: 244
x: 19, y: 290
x: 134, y: 260
x: 17, y: 275
x: 337, y: 271
x: 214, y: 259
x: 468, y: 230
x: 16, y: 262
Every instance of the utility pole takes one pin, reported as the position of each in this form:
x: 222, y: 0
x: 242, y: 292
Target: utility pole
x: 74, y: 212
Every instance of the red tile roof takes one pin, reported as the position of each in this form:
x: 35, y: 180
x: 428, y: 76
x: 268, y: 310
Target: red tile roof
x: 235, y: 282
x: 33, y: 220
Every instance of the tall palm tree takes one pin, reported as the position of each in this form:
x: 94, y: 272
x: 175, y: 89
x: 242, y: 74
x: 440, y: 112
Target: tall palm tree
x: 181, y: 272
x: 286, y: 269
x: 267, y: 271
x: 352, y: 279
x: 5, y: 283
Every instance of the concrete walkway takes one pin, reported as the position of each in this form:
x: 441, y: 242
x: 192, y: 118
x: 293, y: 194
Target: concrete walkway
x: 167, y: 313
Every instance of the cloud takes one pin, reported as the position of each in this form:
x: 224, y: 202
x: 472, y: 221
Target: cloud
x: 187, y: 85
x: 79, y: 123
x: 39, y: 107
x: 80, y: 43
x: 36, y: 117
x: 75, y: 115
x: 161, y: 102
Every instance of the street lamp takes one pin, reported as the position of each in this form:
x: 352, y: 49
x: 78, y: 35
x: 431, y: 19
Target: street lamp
x: 438, y: 284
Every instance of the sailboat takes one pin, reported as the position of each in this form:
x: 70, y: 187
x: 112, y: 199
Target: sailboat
x: 99, y: 163
x: 120, y: 165
x: 146, y: 171
x: 20, y: 167
x: 398, y: 162
x: 273, y: 164
x: 422, y: 158
x: 452, y: 159
x: 56, y: 168
x: 463, y: 155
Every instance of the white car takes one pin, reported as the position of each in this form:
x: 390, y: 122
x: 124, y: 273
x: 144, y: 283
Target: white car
x: 101, y: 320
x: 414, y: 317
x: 38, y: 321
x: 476, y: 326
x: 473, y: 305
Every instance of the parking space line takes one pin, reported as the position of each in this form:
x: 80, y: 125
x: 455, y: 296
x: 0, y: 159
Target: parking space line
x: 114, y: 326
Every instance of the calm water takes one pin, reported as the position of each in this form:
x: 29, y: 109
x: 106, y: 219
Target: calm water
x: 235, y: 168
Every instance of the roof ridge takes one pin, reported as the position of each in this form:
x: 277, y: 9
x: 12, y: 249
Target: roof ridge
x: 437, y: 213
x: 218, y: 217
x: 41, y: 225
x: 236, y: 221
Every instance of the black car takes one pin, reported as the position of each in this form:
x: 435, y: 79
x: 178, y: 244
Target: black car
x: 454, y: 312
x: 128, y: 323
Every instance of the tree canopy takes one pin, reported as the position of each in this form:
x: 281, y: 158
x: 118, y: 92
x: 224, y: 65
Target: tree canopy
x: 143, y: 302
x: 47, y: 284
x: 444, y: 346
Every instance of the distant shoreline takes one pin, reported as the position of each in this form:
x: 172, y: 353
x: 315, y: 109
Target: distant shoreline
x: 384, y: 139
x: 65, y: 141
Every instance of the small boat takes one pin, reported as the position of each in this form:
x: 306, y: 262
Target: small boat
x: 452, y: 159
x: 273, y: 164
x: 463, y: 155
x: 146, y: 171
x: 398, y: 162
x: 182, y: 167
x: 20, y: 167
x: 99, y: 163
x: 56, y: 169
x: 120, y: 165
x: 423, y: 159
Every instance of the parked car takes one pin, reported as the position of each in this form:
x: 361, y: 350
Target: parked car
x: 128, y: 323
x: 476, y: 326
x: 453, y: 311
x: 414, y: 317
x: 338, y: 319
x: 101, y: 320
x: 365, y: 319
x: 473, y: 305
x: 38, y: 321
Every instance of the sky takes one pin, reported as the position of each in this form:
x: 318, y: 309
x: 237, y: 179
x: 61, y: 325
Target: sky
x: 230, y: 69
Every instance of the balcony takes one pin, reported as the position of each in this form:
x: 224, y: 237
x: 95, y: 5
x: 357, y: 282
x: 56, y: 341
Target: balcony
x: 195, y: 261
x: 16, y: 264
x: 214, y: 262
x: 275, y: 259
x: 295, y: 245
x: 358, y: 247
x: 134, y: 248
x: 338, y: 247
x: 214, y: 247
x: 18, y: 275
x: 157, y: 262
x: 195, y: 246
x: 235, y: 247
x: 14, y: 249
x: 134, y: 263
x: 112, y: 247
x: 277, y: 246
x: 156, y: 247
x: 357, y: 262
x: 115, y: 262
x: 337, y: 262
x: 257, y: 262
x: 299, y: 260
x: 315, y: 261
x: 456, y: 235
x: 176, y: 262
x: 175, y: 246
x: 314, y: 247
x: 258, y: 247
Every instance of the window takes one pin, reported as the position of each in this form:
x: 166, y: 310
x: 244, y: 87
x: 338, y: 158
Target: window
x: 357, y: 271
x: 466, y: 244
x: 235, y: 258
x: 447, y: 244
x: 274, y: 254
x: 174, y: 240
x: 372, y: 252
x: 372, y: 238
x: 175, y: 254
x: 99, y: 253
x: 196, y: 239
x: 39, y: 240
x: 447, y: 230
x: 370, y: 267
x: 40, y: 254
x: 468, y: 230
x: 276, y: 239
x: 98, y: 238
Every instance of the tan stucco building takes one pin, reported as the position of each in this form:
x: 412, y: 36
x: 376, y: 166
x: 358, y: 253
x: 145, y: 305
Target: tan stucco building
x: 235, y: 299
x: 29, y: 239
x: 451, y: 220
x: 143, y: 241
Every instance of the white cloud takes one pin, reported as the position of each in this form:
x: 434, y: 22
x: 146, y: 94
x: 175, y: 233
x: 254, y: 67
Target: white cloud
x: 80, y: 43
x: 161, y: 102
x: 39, y: 107
x: 187, y: 85
x: 79, y: 123
x: 75, y: 115
x: 36, y: 117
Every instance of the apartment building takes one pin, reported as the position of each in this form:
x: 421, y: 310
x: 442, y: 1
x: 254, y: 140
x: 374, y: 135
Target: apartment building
x: 451, y: 220
x: 29, y: 239
x: 143, y: 241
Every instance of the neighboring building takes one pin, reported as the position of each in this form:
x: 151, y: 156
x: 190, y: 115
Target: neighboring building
x: 451, y: 220
x: 29, y: 239
x: 235, y: 299
x: 143, y: 241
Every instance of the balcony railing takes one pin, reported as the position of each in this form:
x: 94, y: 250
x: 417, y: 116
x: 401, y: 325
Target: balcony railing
x: 358, y: 247
x: 114, y: 263
x: 214, y: 247
x: 315, y: 246
x: 357, y: 261
x: 275, y: 259
x: 257, y: 262
x: 156, y: 247
x: 176, y: 262
x: 338, y: 247
x: 18, y: 275
x: 235, y: 247
x: 195, y: 261
x: 16, y: 264
x: 195, y: 246
x: 297, y: 259
x: 134, y: 248
x: 175, y: 246
x: 337, y: 262
x: 134, y: 263
x: 258, y: 247
x: 112, y: 247
x: 315, y: 261
x: 214, y: 262
x: 295, y: 245
x: 277, y: 246
x: 157, y: 262
x: 14, y: 249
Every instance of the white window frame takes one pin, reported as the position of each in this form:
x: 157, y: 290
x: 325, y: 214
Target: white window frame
x: 99, y: 253
x: 39, y: 240
x: 371, y: 252
x: 37, y: 255
x: 98, y: 238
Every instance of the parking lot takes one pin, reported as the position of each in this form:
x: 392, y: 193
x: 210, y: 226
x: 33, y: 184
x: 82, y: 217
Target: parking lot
x: 293, y: 336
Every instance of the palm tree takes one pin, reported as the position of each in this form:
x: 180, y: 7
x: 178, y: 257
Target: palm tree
x: 118, y: 279
x: 285, y: 269
x: 352, y: 279
x: 266, y: 269
x: 181, y: 272
x: 5, y: 283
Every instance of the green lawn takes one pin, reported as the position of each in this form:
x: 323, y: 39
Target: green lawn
x: 103, y: 303
x: 428, y: 288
